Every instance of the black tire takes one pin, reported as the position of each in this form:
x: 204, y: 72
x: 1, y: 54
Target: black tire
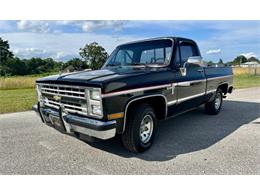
x: 131, y: 137
x: 210, y: 107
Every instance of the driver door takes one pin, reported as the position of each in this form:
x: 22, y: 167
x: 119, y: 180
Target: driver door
x: 190, y: 87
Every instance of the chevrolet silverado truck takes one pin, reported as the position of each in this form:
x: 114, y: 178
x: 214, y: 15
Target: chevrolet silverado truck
x: 140, y: 83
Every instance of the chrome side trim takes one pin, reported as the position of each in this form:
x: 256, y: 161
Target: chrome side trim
x: 184, y: 84
x: 189, y: 97
x: 171, y: 102
x: 143, y: 97
x: 209, y: 79
x: 135, y: 90
x: 211, y: 91
x: 199, y: 80
x: 188, y: 83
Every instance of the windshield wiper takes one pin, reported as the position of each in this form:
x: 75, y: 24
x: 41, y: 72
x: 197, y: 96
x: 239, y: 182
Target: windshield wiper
x: 114, y: 65
x: 147, y: 65
x: 136, y: 64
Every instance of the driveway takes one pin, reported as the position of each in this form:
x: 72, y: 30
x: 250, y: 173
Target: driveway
x: 192, y: 143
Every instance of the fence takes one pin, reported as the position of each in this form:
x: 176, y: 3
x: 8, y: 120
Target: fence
x: 253, y: 70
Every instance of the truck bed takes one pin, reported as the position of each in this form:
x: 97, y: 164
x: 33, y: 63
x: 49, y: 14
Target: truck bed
x: 218, y: 75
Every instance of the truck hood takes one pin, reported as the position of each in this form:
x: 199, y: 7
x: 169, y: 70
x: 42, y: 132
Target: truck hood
x: 93, y: 76
x: 108, y: 79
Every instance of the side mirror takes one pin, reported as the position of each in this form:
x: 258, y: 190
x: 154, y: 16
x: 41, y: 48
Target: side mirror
x: 195, y: 60
x: 191, y: 60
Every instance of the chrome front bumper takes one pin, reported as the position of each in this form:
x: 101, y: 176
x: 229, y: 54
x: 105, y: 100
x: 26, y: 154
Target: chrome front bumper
x: 69, y: 123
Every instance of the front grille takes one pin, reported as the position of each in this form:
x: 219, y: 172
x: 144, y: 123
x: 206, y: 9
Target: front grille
x: 72, y: 98
x: 64, y: 91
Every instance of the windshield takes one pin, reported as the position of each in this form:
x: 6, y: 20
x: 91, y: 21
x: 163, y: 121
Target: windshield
x: 156, y: 52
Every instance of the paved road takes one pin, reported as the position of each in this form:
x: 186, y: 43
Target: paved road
x: 193, y: 143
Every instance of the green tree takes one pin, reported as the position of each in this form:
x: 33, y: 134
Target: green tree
x: 239, y: 60
x: 210, y: 63
x: 5, y: 53
x: 15, y: 66
x: 75, y: 64
x: 94, y: 55
x: 253, y: 59
x: 36, y: 66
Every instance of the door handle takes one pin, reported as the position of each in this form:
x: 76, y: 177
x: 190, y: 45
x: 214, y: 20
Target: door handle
x: 200, y: 70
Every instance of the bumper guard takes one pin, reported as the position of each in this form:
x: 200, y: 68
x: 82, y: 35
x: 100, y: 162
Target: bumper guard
x: 72, y: 123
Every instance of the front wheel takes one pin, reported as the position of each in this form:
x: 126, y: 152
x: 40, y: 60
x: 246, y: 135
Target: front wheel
x: 214, y: 106
x: 140, y: 128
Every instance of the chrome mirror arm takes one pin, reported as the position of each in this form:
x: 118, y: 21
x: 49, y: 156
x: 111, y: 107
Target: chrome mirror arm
x: 183, y: 69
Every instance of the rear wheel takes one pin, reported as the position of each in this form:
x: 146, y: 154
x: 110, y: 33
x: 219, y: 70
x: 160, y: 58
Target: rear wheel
x: 140, y: 128
x: 214, y: 106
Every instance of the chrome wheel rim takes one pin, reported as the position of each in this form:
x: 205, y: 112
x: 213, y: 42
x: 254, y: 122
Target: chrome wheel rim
x: 218, y: 101
x: 146, y: 129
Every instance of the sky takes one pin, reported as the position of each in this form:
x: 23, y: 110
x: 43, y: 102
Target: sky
x: 61, y: 40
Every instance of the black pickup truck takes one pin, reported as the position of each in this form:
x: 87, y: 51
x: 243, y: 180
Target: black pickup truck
x: 141, y: 83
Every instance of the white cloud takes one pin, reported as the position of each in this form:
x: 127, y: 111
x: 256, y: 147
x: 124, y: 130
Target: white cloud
x: 63, y: 56
x: 89, y: 26
x: 26, y: 53
x: 92, y: 25
x: 67, y: 36
x: 39, y: 26
x: 213, y: 51
x: 249, y: 54
x: 33, y: 26
x: 31, y: 52
x: 62, y: 46
x: 59, y: 55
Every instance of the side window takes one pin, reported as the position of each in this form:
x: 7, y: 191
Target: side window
x: 187, y: 50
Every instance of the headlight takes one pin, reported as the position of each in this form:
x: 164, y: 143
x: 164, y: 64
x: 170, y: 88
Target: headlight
x: 94, y: 102
x: 96, y: 109
x: 95, y: 94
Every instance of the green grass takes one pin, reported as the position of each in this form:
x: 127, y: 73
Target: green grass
x: 16, y: 100
x: 20, y: 82
x: 246, y: 81
x: 18, y: 93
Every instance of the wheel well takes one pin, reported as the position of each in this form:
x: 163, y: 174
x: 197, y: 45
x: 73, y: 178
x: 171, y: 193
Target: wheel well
x: 224, y: 87
x: 158, y: 103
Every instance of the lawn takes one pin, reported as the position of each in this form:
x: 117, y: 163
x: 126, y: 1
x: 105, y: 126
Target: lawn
x: 18, y: 93
x: 15, y: 100
x: 246, y: 81
x: 20, y: 82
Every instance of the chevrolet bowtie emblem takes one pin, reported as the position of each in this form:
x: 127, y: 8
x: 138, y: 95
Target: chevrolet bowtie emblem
x: 57, y: 98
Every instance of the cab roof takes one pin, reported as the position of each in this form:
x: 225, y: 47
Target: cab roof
x: 158, y: 38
